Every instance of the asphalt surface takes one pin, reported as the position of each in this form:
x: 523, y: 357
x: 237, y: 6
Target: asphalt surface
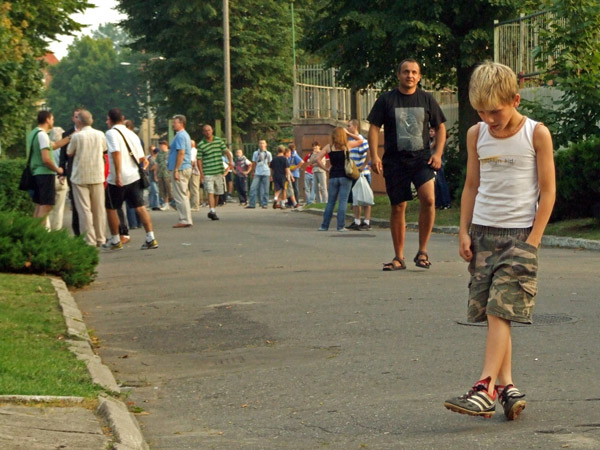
x: 259, y: 332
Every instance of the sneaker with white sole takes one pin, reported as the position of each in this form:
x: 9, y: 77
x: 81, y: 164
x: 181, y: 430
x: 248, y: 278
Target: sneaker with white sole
x: 476, y: 402
x: 148, y: 245
x: 512, y: 401
x: 108, y: 245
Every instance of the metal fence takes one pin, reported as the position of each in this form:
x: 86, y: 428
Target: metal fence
x: 516, y: 39
x: 317, y: 96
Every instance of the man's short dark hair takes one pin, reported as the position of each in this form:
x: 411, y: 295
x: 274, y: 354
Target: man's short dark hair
x: 116, y: 115
x: 315, y: 144
x: 408, y: 60
x: 163, y: 143
x: 43, y: 116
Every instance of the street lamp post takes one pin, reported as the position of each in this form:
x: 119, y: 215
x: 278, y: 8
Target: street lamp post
x: 227, y: 69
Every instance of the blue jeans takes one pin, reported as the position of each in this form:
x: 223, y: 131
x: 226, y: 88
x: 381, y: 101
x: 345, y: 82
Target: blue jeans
x: 309, y: 191
x: 339, y: 186
x: 442, y: 193
x: 132, y: 217
x: 153, y: 199
x: 260, y: 185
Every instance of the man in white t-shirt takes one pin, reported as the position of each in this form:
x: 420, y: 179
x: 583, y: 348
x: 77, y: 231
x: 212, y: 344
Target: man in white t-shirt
x: 125, y: 152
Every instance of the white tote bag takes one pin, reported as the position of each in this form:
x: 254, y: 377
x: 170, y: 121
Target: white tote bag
x: 362, y: 194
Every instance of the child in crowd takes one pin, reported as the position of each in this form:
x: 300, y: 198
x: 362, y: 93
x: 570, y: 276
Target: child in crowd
x: 280, y: 172
x: 289, y: 185
x: 242, y: 167
x: 506, y: 204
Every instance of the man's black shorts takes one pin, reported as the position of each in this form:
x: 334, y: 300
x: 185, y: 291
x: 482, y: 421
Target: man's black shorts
x: 403, y: 168
x: 44, y: 191
x: 133, y: 193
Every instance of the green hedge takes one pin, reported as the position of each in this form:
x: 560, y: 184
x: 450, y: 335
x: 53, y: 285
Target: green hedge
x: 578, y: 181
x: 27, y: 247
x: 11, y: 198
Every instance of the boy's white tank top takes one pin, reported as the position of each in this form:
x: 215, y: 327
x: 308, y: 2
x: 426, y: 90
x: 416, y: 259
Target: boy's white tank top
x: 508, y: 189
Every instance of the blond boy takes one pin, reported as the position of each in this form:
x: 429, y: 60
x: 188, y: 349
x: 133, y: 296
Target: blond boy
x: 506, y: 204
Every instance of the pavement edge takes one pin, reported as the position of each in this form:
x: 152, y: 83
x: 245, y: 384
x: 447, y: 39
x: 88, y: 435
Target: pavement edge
x: 125, y: 428
x: 547, y: 240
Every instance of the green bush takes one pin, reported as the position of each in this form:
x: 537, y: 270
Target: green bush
x: 27, y: 247
x: 11, y: 198
x: 578, y: 180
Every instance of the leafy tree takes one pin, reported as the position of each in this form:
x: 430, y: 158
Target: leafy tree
x: 25, y: 29
x: 92, y: 76
x: 366, y: 39
x: 189, y: 34
x: 570, y: 54
x: 119, y: 37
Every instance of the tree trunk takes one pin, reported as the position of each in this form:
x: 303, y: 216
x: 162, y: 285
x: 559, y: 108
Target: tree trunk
x: 467, y: 116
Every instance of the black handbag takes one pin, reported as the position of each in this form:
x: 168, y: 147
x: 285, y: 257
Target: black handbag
x: 143, y: 175
x: 27, y: 182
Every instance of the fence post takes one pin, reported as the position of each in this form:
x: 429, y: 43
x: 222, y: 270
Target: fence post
x: 334, y: 98
x: 496, y: 41
x: 521, y: 42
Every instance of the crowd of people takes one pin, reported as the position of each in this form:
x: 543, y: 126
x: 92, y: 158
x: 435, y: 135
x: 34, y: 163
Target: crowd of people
x: 506, y: 202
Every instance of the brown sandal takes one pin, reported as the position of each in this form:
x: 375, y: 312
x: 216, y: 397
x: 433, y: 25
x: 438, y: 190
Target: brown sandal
x: 422, y: 263
x: 388, y: 267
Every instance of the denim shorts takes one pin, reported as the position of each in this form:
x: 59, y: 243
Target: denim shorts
x: 503, y: 274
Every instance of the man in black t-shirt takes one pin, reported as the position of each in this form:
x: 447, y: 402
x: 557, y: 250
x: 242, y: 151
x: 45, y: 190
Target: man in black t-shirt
x: 406, y: 114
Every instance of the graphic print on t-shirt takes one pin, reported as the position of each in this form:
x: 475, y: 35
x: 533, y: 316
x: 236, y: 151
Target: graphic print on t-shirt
x: 409, y: 128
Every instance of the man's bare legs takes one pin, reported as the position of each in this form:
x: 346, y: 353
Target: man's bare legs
x: 398, y: 228
x: 41, y: 211
x: 113, y: 221
x: 144, y: 218
x: 426, y: 195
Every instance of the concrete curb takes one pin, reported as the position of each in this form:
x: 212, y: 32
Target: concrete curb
x: 123, y: 424
x: 547, y: 241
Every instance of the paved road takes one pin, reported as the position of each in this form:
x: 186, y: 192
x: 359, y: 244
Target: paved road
x: 258, y: 332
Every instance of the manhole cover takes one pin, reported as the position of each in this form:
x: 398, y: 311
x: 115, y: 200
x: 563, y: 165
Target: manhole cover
x: 538, y: 320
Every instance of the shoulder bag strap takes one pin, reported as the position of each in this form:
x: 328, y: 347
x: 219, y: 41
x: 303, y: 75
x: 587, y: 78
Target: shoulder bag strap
x: 127, y: 145
x: 31, y: 148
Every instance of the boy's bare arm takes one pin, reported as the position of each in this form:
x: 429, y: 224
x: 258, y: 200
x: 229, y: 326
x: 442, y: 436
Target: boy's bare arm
x: 469, y: 193
x: 542, y: 143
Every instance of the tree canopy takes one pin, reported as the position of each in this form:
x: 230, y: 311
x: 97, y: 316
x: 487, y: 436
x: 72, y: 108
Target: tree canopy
x: 570, y: 53
x: 189, y: 35
x: 25, y: 29
x: 366, y: 39
x: 92, y: 76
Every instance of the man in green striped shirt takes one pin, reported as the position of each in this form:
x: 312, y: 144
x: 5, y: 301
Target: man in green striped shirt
x: 210, y: 162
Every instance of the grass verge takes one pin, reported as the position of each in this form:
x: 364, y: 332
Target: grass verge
x: 34, y: 359
x: 587, y: 228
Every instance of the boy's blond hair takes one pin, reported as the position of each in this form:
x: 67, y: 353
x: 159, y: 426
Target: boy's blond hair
x: 492, y: 85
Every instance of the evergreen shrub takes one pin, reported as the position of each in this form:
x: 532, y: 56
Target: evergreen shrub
x: 27, y: 247
x: 11, y: 198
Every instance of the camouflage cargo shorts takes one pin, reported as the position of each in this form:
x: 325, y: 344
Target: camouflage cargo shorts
x: 503, y: 274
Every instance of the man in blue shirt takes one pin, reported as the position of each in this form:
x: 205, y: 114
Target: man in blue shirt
x: 262, y: 174
x: 179, y: 164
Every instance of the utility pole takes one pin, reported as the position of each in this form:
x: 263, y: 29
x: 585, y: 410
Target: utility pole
x: 227, y: 68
